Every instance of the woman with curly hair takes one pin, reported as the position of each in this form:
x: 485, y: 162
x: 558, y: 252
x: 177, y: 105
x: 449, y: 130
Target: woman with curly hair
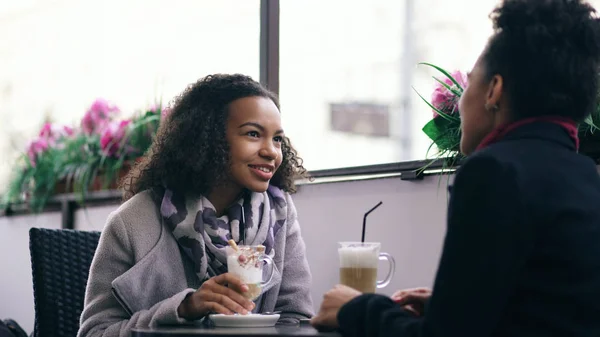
x: 521, y: 255
x: 219, y: 169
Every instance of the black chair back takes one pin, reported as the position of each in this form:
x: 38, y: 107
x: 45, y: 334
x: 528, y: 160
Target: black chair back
x: 60, y: 262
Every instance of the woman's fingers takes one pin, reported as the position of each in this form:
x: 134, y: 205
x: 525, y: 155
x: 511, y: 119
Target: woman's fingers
x: 236, y: 297
x: 215, y: 296
x: 232, y: 281
x: 404, y: 292
x: 413, y: 298
x: 218, y: 287
x: 223, y: 304
x: 218, y: 308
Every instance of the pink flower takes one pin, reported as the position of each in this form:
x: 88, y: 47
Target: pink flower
x: 35, y: 148
x: 113, y: 137
x: 54, y: 132
x: 444, y: 99
x: 99, y: 115
x: 164, y: 112
x: 155, y: 107
x: 50, y: 136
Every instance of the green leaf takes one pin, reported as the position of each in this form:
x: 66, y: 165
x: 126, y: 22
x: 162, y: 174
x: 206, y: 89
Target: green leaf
x: 440, y: 112
x: 589, y: 120
x: 451, y: 89
x: 443, y: 133
x: 443, y: 72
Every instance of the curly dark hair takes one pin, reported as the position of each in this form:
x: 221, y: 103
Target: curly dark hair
x: 190, y: 152
x: 548, y: 53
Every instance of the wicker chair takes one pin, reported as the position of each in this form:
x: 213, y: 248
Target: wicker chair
x: 60, y: 261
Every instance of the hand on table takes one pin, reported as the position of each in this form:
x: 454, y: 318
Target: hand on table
x: 220, y: 294
x: 332, y: 303
x: 413, y: 299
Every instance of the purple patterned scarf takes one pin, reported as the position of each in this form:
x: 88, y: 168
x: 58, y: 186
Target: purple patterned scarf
x: 253, y: 220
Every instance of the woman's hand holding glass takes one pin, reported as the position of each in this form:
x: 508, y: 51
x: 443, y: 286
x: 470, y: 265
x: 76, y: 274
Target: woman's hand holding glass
x: 220, y: 294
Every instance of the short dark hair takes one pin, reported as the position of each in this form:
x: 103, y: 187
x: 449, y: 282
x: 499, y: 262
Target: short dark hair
x: 548, y: 53
x: 190, y: 152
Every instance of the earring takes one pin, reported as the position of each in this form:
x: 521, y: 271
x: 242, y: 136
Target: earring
x: 491, y: 108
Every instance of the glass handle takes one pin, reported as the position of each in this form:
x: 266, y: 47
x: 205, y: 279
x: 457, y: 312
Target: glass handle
x: 269, y: 262
x: 387, y: 257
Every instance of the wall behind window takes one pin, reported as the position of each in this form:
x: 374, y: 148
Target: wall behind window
x: 56, y: 57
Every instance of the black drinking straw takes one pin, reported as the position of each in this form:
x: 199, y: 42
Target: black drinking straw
x: 242, y: 226
x: 365, y: 220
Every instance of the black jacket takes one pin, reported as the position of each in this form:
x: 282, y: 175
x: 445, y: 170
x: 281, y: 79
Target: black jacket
x: 521, y: 255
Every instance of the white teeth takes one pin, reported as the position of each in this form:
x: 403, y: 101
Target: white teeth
x: 264, y: 169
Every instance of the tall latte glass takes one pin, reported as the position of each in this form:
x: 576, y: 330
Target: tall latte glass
x: 358, y: 265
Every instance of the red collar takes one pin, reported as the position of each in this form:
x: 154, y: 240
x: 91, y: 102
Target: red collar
x: 569, y: 125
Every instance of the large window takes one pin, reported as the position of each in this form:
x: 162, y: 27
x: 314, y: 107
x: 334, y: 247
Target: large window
x: 345, y: 69
x: 341, y: 81
x: 56, y: 57
x: 348, y: 68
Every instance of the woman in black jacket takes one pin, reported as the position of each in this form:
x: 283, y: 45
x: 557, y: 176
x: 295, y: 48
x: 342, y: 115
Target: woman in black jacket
x: 521, y: 255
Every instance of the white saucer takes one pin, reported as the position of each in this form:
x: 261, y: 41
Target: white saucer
x: 244, y: 321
